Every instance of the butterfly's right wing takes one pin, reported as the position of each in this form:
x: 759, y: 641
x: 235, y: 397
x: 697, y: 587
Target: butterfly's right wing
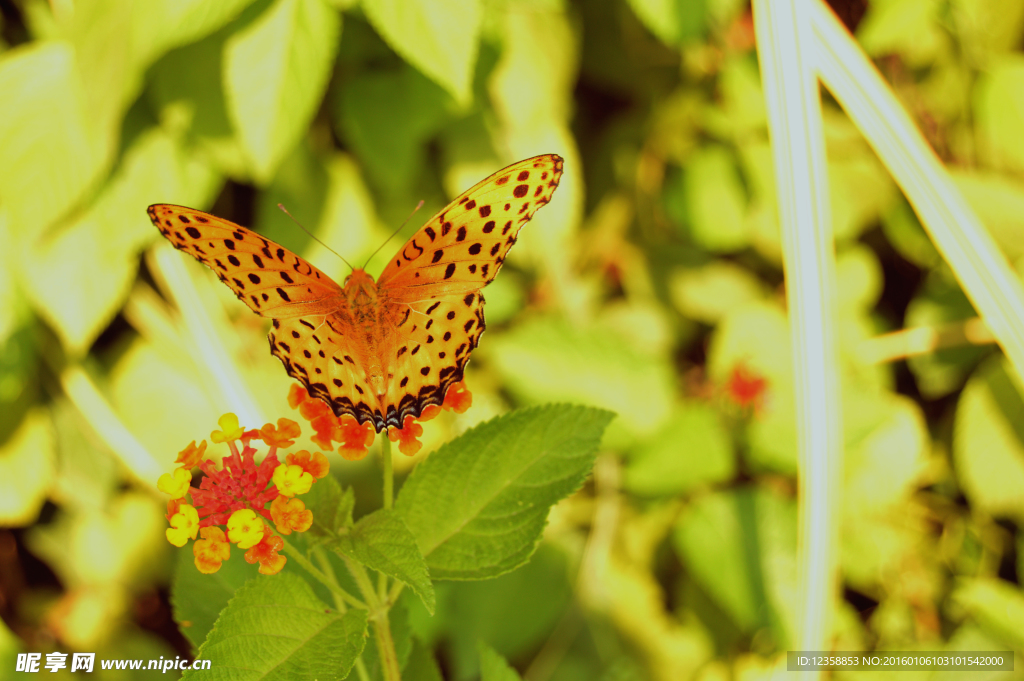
x: 270, y: 279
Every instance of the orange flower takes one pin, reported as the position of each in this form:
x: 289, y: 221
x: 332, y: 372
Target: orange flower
x: 429, y: 413
x: 281, y: 436
x: 290, y: 515
x: 355, y: 438
x: 458, y: 398
x: 406, y: 436
x: 212, y: 550
x: 315, y: 464
x: 265, y: 553
x: 191, y: 456
x: 296, y: 395
x: 324, y: 425
x: 312, y: 408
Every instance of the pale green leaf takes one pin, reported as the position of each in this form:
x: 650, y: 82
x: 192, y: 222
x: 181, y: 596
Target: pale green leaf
x: 26, y: 470
x: 988, y: 441
x: 549, y: 360
x: 381, y: 541
x: 477, y: 506
x: 49, y: 151
x: 97, y: 254
x: 716, y: 201
x: 165, y: 24
x: 439, y: 38
x: 276, y: 69
x: 694, y: 449
x: 493, y: 667
x: 996, y: 605
x: 708, y: 293
x: 999, y: 108
x: 276, y: 628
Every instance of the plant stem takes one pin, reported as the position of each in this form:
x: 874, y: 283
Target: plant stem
x: 379, y: 616
x: 329, y: 582
x: 389, y: 473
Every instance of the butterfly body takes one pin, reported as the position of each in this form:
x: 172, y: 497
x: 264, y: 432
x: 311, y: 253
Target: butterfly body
x: 379, y: 350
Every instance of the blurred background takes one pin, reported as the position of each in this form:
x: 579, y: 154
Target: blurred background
x: 651, y: 285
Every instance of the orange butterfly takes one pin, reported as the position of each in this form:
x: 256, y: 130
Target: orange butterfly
x: 382, y: 350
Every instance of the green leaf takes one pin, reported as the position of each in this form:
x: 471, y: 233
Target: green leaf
x: 478, y: 505
x: 99, y: 250
x: 388, y: 139
x: 675, y: 22
x: 493, y: 667
x: 421, y: 666
x: 49, y: 152
x: 988, y: 440
x: 331, y: 507
x: 716, y: 201
x: 693, y: 449
x: 197, y: 599
x: 27, y: 472
x: 381, y: 541
x: 439, y: 38
x: 276, y: 628
x: 741, y: 547
x: 708, y: 293
x: 997, y: 605
x: 165, y: 24
x: 276, y: 69
x: 548, y: 360
x: 999, y: 107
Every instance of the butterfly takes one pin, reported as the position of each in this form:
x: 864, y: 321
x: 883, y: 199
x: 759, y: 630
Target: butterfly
x: 386, y: 349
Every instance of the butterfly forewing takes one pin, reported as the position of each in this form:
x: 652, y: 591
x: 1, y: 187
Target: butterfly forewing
x: 462, y: 248
x: 270, y: 279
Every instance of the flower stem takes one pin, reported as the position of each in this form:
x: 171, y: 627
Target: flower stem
x: 389, y: 473
x: 326, y: 580
x: 379, y: 616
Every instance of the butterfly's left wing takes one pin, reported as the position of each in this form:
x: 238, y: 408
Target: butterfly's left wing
x: 270, y: 279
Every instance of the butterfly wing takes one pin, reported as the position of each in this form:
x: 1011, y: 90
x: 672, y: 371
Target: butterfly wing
x: 462, y: 248
x: 270, y: 279
x: 276, y: 283
x: 433, y: 284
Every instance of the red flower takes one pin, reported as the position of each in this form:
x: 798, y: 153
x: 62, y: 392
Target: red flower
x: 746, y: 387
x: 281, y: 436
x: 458, y: 398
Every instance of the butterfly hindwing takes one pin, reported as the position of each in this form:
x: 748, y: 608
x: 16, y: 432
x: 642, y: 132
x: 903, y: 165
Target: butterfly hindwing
x: 320, y: 357
x: 270, y: 279
x: 431, y: 351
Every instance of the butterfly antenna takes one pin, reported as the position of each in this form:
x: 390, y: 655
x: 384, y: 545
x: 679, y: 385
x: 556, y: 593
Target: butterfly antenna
x: 285, y: 211
x: 400, y: 228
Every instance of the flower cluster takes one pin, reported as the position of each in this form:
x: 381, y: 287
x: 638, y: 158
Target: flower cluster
x: 241, y: 495
x: 354, y: 438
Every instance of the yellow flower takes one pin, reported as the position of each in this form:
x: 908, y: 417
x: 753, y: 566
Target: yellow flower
x: 292, y: 480
x: 175, y: 484
x: 245, y: 528
x: 229, y: 429
x: 184, y: 525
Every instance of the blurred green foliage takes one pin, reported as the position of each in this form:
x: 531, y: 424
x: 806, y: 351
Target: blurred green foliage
x: 651, y: 277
